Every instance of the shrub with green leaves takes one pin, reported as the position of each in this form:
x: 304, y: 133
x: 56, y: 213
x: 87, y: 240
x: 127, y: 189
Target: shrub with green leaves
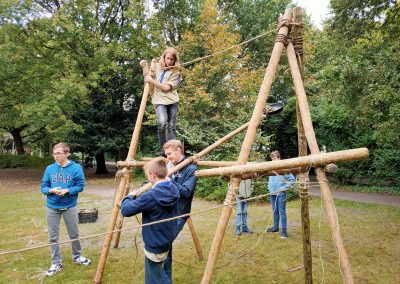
x: 23, y: 161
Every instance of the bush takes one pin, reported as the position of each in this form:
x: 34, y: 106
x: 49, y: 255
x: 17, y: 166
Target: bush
x: 215, y: 189
x: 382, y: 168
x: 23, y: 161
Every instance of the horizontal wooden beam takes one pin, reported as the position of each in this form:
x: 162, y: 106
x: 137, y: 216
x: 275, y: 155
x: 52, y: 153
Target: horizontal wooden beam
x: 312, y: 161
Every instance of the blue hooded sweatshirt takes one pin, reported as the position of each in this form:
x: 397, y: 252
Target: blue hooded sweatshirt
x: 158, y: 203
x: 185, y: 181
x: 69, y: 177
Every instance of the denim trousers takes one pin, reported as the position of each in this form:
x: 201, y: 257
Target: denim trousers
x: 241, y: 213
x: 70, y: 216
x: 168, y: 261
x: 166, y: 118
x: 278, y: 203
x: 154, y: 272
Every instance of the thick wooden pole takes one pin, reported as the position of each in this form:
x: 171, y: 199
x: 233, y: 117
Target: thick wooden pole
x: 124, y: 181
x: 318, y: 160
x: 196, y: 242
x: 302, y: 145
x: 135, y: 138
x: 111, y: 225
x: 312, y: 143
x: 246, y: 145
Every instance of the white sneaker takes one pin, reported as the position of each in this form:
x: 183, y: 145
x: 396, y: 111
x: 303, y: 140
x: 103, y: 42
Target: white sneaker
x: 81, y: 260
x: 54, y: 268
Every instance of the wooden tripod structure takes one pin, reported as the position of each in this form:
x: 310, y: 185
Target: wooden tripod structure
x: 306, y: 137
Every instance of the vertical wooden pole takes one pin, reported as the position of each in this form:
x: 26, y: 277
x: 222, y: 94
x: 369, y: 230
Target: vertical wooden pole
x: 124, y: 180
x: 199, y: 251
x: 246, y: 146
x: 302, y: 145
x: 312, y: 143
x: 135, y: 139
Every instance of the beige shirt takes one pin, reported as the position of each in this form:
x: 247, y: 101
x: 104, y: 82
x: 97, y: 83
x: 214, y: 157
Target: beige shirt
x: 165, y: 98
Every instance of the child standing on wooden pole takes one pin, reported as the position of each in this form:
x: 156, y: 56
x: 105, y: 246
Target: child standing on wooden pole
x: 165, y: 96
x: 158, y: 203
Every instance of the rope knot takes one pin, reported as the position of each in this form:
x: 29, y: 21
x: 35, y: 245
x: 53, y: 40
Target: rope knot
x: 195, y: 159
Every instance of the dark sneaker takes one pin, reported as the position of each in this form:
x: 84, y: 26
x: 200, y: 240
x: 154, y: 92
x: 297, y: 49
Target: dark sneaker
x: 284, y: 235
x: 81, y: 260
x: 247, y: 230
x: 272, y: 230
x: 54, y: 268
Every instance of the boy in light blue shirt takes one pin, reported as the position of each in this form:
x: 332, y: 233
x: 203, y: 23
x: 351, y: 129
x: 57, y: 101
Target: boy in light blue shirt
x: 277, y: 186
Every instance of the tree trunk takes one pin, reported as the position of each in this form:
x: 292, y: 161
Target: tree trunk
x: 19, y: 144
x: 101, y: 168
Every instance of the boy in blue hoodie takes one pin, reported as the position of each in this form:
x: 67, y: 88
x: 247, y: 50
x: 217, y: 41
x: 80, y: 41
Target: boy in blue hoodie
x: 158, y: 203
x: 277, y: 186
x: 62, y: 181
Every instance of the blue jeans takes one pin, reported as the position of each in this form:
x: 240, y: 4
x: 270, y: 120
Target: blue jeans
x: 278, y: 203
x: 241, y: 213
x: 154, y: 272
x: 166, y: 118
x: 168, y: 261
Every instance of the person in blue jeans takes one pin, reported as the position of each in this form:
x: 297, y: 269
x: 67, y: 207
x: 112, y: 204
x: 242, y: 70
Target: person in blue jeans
x: 185, y: 181
x: 246, y: 189
x: 61, y: 183
x: 165, y: 96
x: 159, y: 203
x: 277, y: 186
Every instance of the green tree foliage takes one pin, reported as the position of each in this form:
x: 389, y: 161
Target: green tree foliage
x: 218, y: 94
x: 355, y: 72
x: 175, y: 17
x: 251, y: 18
x: 38, y: 89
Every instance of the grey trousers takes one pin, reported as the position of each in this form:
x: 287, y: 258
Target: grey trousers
x: 70, y: 216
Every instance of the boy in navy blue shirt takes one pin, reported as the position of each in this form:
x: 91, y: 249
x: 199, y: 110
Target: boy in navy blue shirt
x: 159, y: 203
x: 62, y: 182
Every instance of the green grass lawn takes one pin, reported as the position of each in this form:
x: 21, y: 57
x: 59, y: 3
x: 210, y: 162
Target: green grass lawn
x: 370, y: 232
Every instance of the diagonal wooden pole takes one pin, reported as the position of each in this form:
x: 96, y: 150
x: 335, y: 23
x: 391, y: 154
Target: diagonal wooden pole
x: 302, y: 148
x: 196, y: 242
x: 247, y: 143
x: 321, y: 176
x: 124, y: 179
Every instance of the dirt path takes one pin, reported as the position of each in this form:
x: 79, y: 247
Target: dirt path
x: 375, y: 198
x: 23, y: 180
